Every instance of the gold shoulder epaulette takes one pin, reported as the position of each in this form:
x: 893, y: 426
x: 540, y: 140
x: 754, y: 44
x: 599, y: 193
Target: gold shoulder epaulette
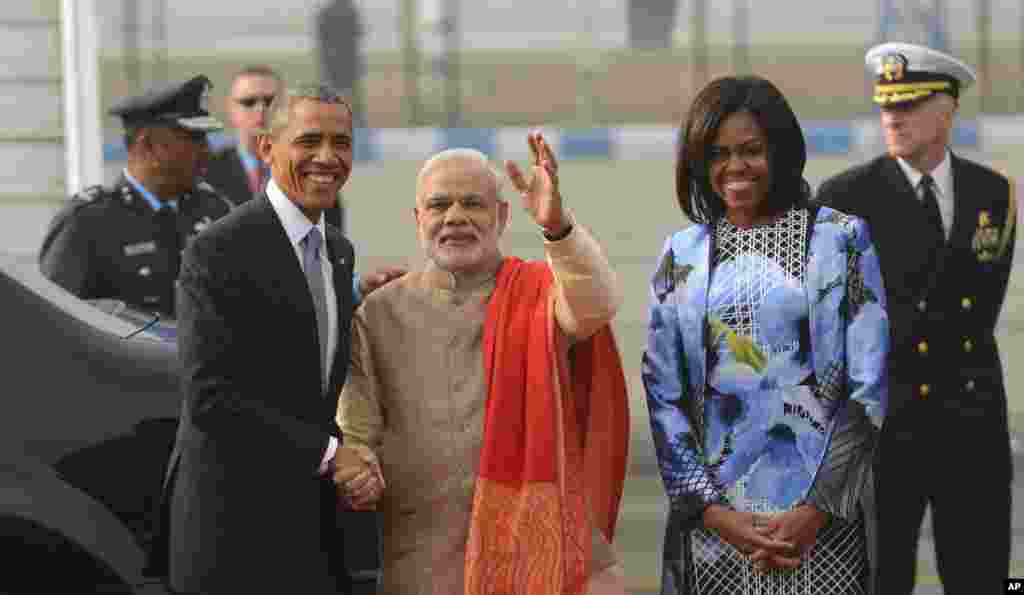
x: 1011, y: 219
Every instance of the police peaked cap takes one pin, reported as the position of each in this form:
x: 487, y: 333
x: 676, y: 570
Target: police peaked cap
x: 181, y: 105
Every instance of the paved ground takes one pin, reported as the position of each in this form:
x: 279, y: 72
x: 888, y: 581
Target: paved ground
x: 630, y: 206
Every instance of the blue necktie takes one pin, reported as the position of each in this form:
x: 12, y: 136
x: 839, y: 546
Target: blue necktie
x: 315, y: 278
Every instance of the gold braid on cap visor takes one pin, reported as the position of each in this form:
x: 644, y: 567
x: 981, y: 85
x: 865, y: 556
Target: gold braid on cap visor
x: 900, y: 92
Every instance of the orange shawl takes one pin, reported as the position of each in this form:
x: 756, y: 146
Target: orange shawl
x: 553, y: 459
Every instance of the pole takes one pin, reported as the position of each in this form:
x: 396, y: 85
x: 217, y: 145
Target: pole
x: 411, y: 61
x: 700, y: 44
x: 886, y: 20
x: 83, y: 155
x: 130, y: 45
x: 452, y: 74
x: 741, y: 36
x: 984, y: 20
x: 589, y: 66
x: 940, y: 26
x: 160, y: 41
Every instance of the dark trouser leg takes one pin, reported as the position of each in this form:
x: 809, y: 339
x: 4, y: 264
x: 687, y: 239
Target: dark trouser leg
x: 972, y: 533
x: 902, y: 492
x: 900, y: 512
x: 332, y: 536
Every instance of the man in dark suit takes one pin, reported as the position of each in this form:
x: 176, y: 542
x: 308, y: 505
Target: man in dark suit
x: 237, y: 170
x: 944, y: 230
x: 265, y: 303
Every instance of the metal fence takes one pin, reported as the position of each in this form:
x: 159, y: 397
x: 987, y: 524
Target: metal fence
x: 575, y: 63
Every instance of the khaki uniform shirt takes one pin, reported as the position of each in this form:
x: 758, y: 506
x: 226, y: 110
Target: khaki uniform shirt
x: 415, y: 394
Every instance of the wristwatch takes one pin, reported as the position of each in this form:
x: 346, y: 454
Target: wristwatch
x: 560, y: 236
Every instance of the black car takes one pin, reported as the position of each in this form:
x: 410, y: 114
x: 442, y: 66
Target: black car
x: 91, y: 399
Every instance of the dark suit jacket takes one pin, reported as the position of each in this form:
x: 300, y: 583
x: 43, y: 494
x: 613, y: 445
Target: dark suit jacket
x: 227, y: 174
x: 944, y: 300
x: 247, y: 512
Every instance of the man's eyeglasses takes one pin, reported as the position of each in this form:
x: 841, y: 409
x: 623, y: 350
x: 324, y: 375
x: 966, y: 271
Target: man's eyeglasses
x: 251, y: 102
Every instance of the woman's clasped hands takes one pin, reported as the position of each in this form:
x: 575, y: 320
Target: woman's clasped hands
x: 771, y: 541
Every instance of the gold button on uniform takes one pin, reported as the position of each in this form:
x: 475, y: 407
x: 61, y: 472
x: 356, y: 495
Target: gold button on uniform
x: 922, y: 305
x: 968, y: 345
x: 924, y: 390
x: 966, y: 303
x: 922, y: 347
x: 969, y: 386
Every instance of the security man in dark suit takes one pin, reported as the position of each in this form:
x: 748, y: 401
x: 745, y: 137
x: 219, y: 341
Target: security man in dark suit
x: 125, y: 241
x: 944, y: 230
x: 236, y: 170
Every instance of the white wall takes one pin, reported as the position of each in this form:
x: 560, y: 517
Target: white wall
x: 31, y: 154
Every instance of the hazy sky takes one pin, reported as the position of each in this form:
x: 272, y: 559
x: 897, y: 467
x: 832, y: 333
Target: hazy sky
x: 237, y: 25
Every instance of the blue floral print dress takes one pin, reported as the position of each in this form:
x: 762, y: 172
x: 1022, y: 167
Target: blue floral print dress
x: 765, y: 379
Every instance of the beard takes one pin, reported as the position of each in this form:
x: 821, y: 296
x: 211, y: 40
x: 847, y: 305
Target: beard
x: 476, y: 256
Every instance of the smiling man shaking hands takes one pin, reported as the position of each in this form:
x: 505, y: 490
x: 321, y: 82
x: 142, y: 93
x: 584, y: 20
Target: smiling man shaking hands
x: 450, y: 361
x: 265, y: 303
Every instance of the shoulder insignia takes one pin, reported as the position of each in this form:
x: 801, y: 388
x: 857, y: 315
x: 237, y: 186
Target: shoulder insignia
x: 1011, y: 221
x: 201, y: 224
x: 89, y: 194
x: 126, y: 194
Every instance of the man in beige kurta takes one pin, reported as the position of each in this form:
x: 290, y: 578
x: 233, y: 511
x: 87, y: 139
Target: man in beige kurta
x: 416, y: 389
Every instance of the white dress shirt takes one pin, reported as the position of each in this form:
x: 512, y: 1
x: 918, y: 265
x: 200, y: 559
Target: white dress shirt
x: 943, y: 187
x: 297, y: 225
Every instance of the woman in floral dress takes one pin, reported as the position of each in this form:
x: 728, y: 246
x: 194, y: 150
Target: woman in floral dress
x: 765, y: 364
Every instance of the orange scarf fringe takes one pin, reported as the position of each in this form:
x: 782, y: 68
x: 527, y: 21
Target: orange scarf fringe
x: 555, y: 443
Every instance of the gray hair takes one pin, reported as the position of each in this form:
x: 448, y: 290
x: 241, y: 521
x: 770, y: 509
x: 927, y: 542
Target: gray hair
x: 281, y: 108
x: 257, y: 70
x: 473, y: 155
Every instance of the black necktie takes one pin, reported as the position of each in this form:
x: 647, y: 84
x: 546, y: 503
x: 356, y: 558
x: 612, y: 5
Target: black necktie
x: 167, y: 223
x: 931, y: 207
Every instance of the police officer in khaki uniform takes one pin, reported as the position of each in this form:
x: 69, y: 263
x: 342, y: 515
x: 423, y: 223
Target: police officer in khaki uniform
x: 944, y: 230
x: 124, y: 241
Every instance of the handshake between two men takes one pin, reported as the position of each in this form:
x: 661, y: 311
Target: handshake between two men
x: 356, y: 472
